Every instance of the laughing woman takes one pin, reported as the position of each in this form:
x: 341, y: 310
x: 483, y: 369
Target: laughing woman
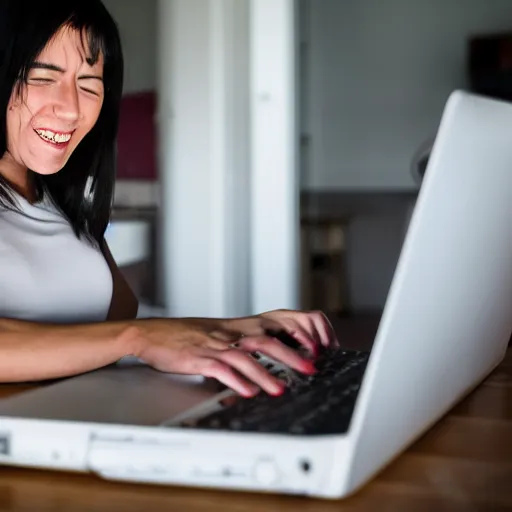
x: 64, y: 307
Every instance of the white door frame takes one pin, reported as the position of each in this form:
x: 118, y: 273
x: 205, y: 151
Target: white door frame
x: 275, y: 180
x: 227, y: 156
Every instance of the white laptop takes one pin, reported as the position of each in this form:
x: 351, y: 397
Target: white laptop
x: 446, y: 325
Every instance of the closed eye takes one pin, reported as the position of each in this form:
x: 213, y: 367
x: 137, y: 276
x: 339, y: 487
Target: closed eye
x: 42, y: 80
x: 90, y: 91
x: 86, y: 80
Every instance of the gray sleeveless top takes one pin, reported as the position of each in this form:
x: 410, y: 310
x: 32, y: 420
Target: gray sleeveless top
x: 46, y: 273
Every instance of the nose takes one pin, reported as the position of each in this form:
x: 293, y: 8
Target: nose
x: 67, y: 106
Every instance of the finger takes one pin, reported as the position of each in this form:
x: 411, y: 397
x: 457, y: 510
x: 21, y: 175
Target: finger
x: 325, y: 329
x: 307, y: 322
x: 312, y: 328
x: 296, y: 332
x: 212, y: 367
x: 316, y: 325
x: 291, y: 322
x: 330, y: 333
x: 280, y: 352
x: 253, y: 370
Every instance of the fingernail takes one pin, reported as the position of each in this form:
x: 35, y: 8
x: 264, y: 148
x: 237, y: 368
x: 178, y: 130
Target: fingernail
x: 309, y: 367
x: 280, y: 390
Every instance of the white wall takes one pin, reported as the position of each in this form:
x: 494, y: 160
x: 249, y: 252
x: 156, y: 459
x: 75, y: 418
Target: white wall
x: 203, y: 92
x: 381, y: 71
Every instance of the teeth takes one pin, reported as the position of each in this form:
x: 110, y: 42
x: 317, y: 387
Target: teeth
x: 53, y: 136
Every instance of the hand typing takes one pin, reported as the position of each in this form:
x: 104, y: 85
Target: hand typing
x: 221, y: 348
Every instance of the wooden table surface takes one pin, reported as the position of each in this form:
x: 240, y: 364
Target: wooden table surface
x: 464, y: 463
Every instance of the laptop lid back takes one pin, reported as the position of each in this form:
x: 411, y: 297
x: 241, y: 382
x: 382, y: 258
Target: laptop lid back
x: 448, y: 316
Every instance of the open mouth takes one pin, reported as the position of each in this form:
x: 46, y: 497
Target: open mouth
x: 55, y: 138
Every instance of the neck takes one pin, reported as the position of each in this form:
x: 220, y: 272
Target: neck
x: 17, y: 176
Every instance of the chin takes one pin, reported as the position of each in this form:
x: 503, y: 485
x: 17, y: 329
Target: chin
x: 47, y: 172
x: 46, y: 169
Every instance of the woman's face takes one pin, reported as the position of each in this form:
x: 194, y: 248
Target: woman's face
x: 57, y: 108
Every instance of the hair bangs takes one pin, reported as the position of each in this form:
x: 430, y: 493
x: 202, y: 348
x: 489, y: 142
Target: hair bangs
x: 93, y: 39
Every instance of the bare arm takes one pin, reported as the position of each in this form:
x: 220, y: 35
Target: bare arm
x: 31, y: 351
x: 35, y: 351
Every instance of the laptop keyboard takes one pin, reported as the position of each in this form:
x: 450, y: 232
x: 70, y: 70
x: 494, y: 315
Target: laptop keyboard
x: 311, y: 405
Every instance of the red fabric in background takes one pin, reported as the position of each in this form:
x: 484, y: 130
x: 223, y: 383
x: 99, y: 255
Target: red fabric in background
x: 136, y: 158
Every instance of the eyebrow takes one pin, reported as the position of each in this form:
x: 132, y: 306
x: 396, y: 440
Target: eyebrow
x: 53, y: 67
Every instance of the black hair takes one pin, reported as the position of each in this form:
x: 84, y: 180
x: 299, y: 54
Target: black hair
x: 83, y: 188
